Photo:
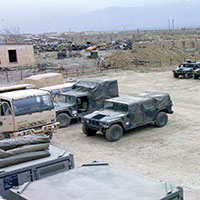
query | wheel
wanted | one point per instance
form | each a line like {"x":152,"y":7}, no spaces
{"x":176,"y":75}
{"x":63,"y":119}
{"x":188,"y":75}
{"x":87,"y":131}
{"x":114,"y":133}
{"x":196,"y":76}
{"x":2,"y":136}
{"x":161,"y":119}
{"x":50,"y":135}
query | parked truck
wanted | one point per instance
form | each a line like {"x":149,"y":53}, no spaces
{"x":186,"y":69}
{"x":85,"y":97}
{"x":26,"y":111}
{"x":124,"y":113}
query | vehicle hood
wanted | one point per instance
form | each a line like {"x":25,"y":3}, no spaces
{"x":183,"y":69}
{"x":105,"y":115}
{"x":197,"y":70}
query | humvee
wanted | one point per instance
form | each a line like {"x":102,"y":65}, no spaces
{"x":26,"y":111}
{"x":124,"y":113}
{"x":85,"y":97}
{"x":186,"y":69}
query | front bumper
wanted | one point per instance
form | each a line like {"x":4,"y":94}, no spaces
{"x":44,"y":129}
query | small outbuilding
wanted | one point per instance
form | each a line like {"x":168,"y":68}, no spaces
{"x":16,"y":56}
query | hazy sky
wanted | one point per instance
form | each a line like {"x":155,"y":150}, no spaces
{"x":18,"y":12}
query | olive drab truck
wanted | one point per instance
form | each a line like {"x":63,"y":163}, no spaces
{"x":85,"y":97}
{"x":125,"y":113}
{"x":26,"y":111}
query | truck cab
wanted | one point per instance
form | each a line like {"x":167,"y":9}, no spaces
{"x":124,"y":113}
{"x":26,"y":112}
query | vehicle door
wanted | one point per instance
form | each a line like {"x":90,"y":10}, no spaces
{"x":6,"y":117}
{"x":136,"y":115}
{"x":149,"y":110}
{"x":82,"y":105}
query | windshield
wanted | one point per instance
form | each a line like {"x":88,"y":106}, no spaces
{"x":32,"y":105}
{"x":66,"y":99}
{"x":187,"y":65}
{"x":116,"y":106}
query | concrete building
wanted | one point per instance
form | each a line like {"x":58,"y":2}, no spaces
{"x":16,"y":56}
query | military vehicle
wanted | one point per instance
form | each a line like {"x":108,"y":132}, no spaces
{"x":196,"y":73}
{"x":97,"y":181}
{"x":25,"y":112}
{"x":186,"y":69}
{"x":85,"y":97}
{"x":15,"y":175}
{"x":55,"y":90}
{"x":124,"y":113}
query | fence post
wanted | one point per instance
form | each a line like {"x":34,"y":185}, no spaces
{"x":21,"y":73}
{"x":83,"y":70}
{"x":7,"y":75}
{"x":170,"y":62}
{"x":34,"y":70}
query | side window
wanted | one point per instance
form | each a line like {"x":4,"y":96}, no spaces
{"x":5,"y":109}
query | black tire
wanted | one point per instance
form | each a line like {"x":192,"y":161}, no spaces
{"x":196,"y":76}
{"x":50,"y":135}
{"x":176,"y":75}
{"x":2,"y":136}
{"x":63,"y":119}
{"x":188,"y":75}
{"x":161,"y":119}
{"x":114,"y":133}
{"x":87,"y":131}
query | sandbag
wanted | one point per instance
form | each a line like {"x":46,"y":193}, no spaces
{"x":13,"y":160}
{"x":3,"y":154}
{"x":12,"y":143}
{"x":24,"y":149}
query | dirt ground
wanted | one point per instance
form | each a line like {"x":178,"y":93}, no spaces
{"x":171,"y":153}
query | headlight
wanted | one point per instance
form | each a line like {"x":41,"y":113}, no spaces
{"x":74,"y":112}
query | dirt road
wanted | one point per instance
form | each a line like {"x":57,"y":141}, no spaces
{"x":171,"y":153}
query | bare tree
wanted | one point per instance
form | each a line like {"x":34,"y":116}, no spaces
{"x":12,"y":35}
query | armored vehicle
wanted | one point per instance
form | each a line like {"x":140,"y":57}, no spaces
{"x":84,"y":97}
{"x":124,"y":113}
{"x":15,"y":175}
{"x":97,"y":181}
{"x":25,"y":112}
{"x":186,"y":69}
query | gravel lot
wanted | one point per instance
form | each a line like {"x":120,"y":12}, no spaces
{"x":171,"y":153}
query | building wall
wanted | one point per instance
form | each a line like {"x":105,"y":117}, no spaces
{"x":25,"y":56}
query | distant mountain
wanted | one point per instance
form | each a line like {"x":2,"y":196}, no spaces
{"x":185,"y":14}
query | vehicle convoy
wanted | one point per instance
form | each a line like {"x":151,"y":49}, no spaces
{"x":26,"y":111}
{"x":97,"y":181}
{"x":186,"y":69}
{"x":124,"y":113}
{"x":85,"y":97}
